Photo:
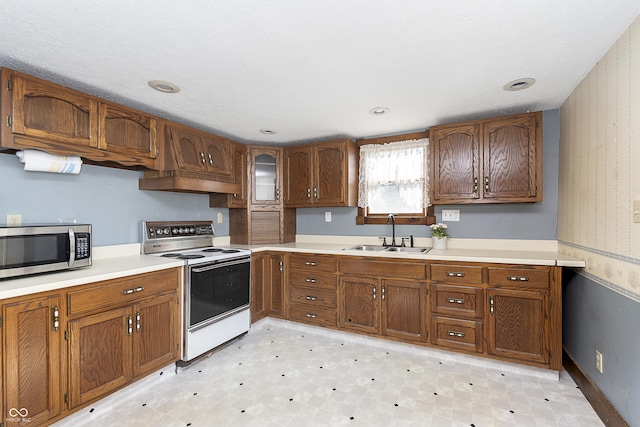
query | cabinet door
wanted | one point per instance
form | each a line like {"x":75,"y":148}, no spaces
{"x":99,"y":355}
{"x":155,"y":333}
{"x":510,"y":158}
{"x":456,"y":162}
{"x":298,"y":182}
{"x":359,"y":304}
{"x":217,"y":152}
{"x":276,"y":282}
{"x":239,"y":200}
{"x":403,"y":306}
{"x":517,"y":325}
{"x":259,"y":286}
{"x":187,"y":149}
{"x":48,"y":111}
{"x":33,"y":385}
{"x":330,"y":179}
{"x":128,"y":132}
{"x":265,"y":176}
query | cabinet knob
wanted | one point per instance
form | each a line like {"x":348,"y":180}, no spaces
{"x":454,"y":274}
{"x":455,"y":334}
{"x":309,"y":280}
{"x":310,"y":298}
{"x":455,"y":301}
{"x":311,"y":316}
{"x":518,"y":278}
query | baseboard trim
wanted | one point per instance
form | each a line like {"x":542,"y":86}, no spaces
{"x":605,"y":410}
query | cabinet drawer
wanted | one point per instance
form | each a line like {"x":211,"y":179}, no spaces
{"x":314,"y":297}
{"x":314,"y":280}
{"x":458,"y":301}
{"x":450,"y":273}
{"x":313,"y":262}
{"x":457,"y":333}
{"x":536,"y":278}
{"x":401,"y":269}
{"x":119,"y":292}
{"x":314,"y":315}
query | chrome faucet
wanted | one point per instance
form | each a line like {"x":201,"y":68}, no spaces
{"x":392,"y":219}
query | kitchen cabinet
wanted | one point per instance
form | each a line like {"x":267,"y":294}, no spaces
{"x":457,"y":302}
{"x":198,"y":151}
{"x":313,"y":284}
{"x":321,"y":174}
{"x":120,"y":330}
{"x":49,"y":117}
{"x":383,"y":297}
{"x":264,"y":220}
{"x":519,"y":314}
{"x":240,"y":172}
{"x":487,"y":161}
{"x":33,"y":381}
{"x":268,"y":296}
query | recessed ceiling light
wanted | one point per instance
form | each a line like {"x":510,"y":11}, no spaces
{"x":519,"y":84}
{"x":268,"y":131}
{"x":165,"y":87}
{"x":378,"y":111}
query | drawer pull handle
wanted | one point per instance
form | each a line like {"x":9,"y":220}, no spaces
{"x":129,"y":325}
{"x":311,"y":316}
{"x":138,"y":321}
{"x":130,"y":291}
{"x":518,"y":278}
{"x":310,"y":298}
{"x":455,"y":334}
{"x":311,"y":280}
{"x":455,"y":301}
{"x":454,"y":274}
{"x":311,"y":263}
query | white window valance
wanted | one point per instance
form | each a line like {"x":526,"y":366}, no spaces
{"x":393,"y":177}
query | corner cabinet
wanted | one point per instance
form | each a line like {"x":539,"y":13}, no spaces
{"x":268,"y":285}
{"x":321,"y":174}
{"x":46,"y":116}
{"x":488,"y":161}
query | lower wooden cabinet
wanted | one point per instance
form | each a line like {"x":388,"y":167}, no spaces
{"x":32,"y":375}
{"x":268,"y":281}
{"x":62,"y":350}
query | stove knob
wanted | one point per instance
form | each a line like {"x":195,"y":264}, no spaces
{"x":182,"y":230}
{"x":192,"y":230}
{"x":166,"y":231}
{"x":175,"y":231}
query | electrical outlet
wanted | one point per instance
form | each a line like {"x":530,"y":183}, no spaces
{"x":15,"y":219}
{"x":327,"y":217}
{"x":450,"y":215}
{"x":599,"y":361}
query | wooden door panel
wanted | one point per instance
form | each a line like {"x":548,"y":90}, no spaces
{"x":217,"y":155}
{"x":403,"y":308}
{"x":329,"y":182}
{"x":45,"y":110}
{"x":517,"y":325}
{"x":359,"y":304}
{"x":32,"y":359}
{"x":456,"y":162}
{"x":276,"y":268}
{"x":99,"y":355}
{"x":155,"y":334}
{"x":128,"y":132}
{"x":187,"y":150}
{"x":298,"y":181}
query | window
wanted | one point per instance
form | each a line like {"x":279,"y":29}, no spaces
{"x":394,"y":178}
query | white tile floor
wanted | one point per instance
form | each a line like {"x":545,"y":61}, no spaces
{"x":287,"y":374}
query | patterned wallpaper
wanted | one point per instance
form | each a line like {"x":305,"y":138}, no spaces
{"x":599,"y":175}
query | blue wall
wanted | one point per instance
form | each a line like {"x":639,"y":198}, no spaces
{"x":596,"y":317}
{"x":107,"y":198}
{"x":534,"y":221}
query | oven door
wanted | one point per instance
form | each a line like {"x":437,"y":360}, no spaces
{"x":217,"y":290}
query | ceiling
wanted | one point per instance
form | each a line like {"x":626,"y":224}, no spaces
{"x":312,"y":70}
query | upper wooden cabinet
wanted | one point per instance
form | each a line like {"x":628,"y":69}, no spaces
{"x":265,"y":172}
{"x":199,"y":151}
{"x":59,"y":120}
{"x":321,"y":174}
{"x":488,"y":161}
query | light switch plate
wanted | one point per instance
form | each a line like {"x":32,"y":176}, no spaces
{"x":327,"y":216}
{"x":636,"y":211}
{"x":450,"y":215}
{"x":219,"y":217}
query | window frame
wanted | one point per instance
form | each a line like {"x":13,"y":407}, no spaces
{"x":427,"y":217}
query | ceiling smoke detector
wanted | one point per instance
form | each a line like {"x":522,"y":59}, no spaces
{"x":519,"y":84}
{"x":164,"y":87}
{"x":378,"y":111}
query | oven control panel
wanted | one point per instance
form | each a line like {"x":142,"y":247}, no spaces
{"x":159,"y":230}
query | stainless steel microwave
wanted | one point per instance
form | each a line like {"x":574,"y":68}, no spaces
{"x":43,"y":248}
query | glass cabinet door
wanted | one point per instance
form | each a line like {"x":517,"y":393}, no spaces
{"x":266,"y":181}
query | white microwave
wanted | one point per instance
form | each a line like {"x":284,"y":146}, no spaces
{"x":36,"y":249}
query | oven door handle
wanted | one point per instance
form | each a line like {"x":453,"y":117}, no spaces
{"x":220,"y":264}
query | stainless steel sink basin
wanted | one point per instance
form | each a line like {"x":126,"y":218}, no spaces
{"x":406,"y":249}
{"x":373,"y":248}
{"x":378,"y":248}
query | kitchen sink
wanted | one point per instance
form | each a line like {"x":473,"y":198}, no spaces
{"x":378,"y":248}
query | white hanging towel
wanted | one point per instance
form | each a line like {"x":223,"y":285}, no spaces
{"x":39,"y":161}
